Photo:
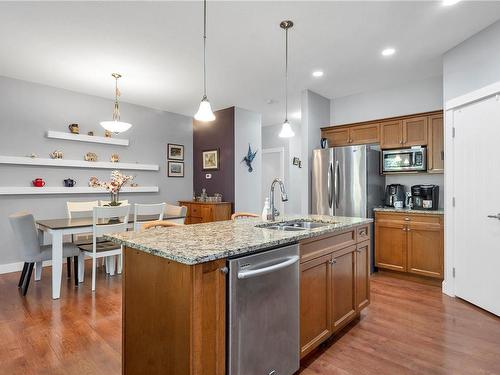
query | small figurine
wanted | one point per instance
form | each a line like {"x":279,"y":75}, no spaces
{"x":93,"y":181}
{"x":91,"y":133}
{"x":90,"y":156}
{"x":74,"y":128}
{"x":135,"y":184}
{"x":107,"y":134}
{"x":248,"y":159}
{"x":115,"y":158}
{"x":56,"y":154}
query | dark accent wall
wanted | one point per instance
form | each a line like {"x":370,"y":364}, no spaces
{"x":208,"y":136}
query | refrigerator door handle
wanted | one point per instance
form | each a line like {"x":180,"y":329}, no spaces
{"x":329,"y":185}
{"x":337,"y":183}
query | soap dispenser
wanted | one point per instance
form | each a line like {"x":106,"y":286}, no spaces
{"x":266,"y":210}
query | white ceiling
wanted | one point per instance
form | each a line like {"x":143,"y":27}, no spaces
{"x":157,"y":47}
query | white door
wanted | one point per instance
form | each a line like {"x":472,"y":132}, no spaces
{"x":477,"y":195}
{"x":272,"y":167}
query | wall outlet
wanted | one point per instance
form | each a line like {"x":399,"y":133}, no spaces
{"x":208,"y":176}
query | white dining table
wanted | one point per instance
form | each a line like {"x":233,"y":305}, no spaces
{"x":58,"y":228}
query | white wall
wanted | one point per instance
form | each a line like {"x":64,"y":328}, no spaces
{"x":473,"y":64}
{"x":315,"y":111}
{"x":413,"y":97}
{"x":292,"y":173}
{"x":247,"y":189}
{"x":28,"y":110}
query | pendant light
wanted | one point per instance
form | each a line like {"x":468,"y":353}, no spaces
{"x":286,"y":129}
{"x":115,"y":125}
{"x":205,"y":111}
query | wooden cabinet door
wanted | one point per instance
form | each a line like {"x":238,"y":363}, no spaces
{"x":390,"y":244}
{"x":343,"y":287}
{"x":435,"y":147}
{"x":364,"y":134}
{"x":391,"y":134}
{"x":315,"y":303}
{"x":415,"y":131}
{"x":337,"y":137}
{"x":362,"y":275}
{"x":206,"y":214}
{"x":425,"y":249}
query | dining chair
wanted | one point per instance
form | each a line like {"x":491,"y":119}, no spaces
{"x":172,"y":210}
{"x":242,"y":215}
{"x":106,"y":203}
{"x":151,"y":210}
{"x":29,"y":240}
{"x":104,"y":220}
{"x":160,"y":223}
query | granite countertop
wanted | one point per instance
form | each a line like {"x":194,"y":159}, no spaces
{"x":409,"y":211}
{"x":199,"y":243}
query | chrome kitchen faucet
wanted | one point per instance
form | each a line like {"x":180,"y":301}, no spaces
{"x":284,"y":198}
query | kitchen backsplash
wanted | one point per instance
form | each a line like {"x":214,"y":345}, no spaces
{"x":418,"y":179}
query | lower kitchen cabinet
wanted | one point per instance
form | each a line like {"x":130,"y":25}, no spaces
{"x":334,"y":285}
{"x":343,"y":287}
{"x":315,"y":302}
{"x":206,"y":212}
{"x":410,"y":243}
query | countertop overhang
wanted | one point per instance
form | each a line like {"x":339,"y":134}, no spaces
{"x":199,"y":243}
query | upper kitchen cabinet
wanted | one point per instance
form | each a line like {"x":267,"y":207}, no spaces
{"x":435,"y":147}
{"x":391,"y":134}
{"x":415,"y":131}
{"x":352,"y":135}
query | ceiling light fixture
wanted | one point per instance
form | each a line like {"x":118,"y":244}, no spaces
{"x":388,"y":52}
{"x":116,"y":126}
{"x":318,"y":73}
{"x":448,"y":3}
{"x":205,"y":111}
{"x":286,"y":129}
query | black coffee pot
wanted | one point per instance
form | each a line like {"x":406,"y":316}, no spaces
{"x":69,"y":182}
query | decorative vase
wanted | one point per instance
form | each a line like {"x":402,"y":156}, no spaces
{"x":115,"y":200}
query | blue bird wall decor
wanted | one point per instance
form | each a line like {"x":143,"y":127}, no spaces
{"x":248,"y":159}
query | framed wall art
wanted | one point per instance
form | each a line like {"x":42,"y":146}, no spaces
{"x":210,"y":160}
{"x":175,"y":152}
{"x":175,"y":169}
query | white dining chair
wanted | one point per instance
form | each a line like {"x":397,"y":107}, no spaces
{"x":155,"y":211}
{"x":77,"y":210}
{"x":172,"y":210}
{"x":105,"y":220}
{"x":106,"y":203}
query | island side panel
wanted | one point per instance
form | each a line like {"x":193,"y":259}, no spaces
{"x":173,"y":316}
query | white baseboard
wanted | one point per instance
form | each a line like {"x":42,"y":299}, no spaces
{"x":18,"y":266}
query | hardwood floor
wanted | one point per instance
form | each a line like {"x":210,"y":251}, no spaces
{"x":409,"y":328}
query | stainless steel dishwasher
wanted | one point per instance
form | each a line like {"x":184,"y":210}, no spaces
{"x":264,"y":313}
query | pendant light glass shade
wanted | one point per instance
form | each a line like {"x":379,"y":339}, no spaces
{"x":115,"y":125}
{"x":205,"y":111}
{"x":286,"y":130}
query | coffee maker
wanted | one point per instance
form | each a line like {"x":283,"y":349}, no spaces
{"x":394,"y":193}
{"x":425,"y":197}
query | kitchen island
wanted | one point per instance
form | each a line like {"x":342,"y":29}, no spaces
{"x":175,"y":282}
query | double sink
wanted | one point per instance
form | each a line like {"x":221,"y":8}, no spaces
{"x":294,"y":225}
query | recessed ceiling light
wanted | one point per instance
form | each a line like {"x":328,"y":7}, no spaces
{"x":318,"y":73}
{"x":448,"y":3}
{"x":388,"y":52}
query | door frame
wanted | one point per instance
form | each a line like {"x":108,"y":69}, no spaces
{"x":448,"y":286}
{"x":281,"y":151}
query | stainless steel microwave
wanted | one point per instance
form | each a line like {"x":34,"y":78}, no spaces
{"x":404,"y":160}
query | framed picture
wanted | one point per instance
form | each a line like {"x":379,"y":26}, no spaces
{"x":211,"y":160}
{"x":296,"y":161}
{"x":175,"y":169}
{"x":175,"y":152}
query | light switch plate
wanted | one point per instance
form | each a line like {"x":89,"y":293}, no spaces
{"x":208,"y":176}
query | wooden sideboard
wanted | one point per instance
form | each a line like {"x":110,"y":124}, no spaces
{"x":421,"y":129}
{"x":206,"y":212}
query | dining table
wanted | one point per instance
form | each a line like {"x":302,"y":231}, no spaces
{"x":58,"y":228}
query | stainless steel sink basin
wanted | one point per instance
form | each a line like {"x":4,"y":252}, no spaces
{"x":293,"y":226}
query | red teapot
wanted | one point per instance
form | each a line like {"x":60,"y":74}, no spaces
{"x":38,"y":182}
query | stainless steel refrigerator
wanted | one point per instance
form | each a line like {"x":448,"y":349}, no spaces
{"x":346,"y":181}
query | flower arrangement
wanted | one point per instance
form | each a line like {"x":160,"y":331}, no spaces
{"x":118,"y":180}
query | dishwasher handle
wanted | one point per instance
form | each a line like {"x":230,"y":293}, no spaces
{"x":262,"y":271}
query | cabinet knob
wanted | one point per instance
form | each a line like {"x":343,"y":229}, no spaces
{"x":224,"y":270}
{"x":403,"y":229}
{"x":401,"y":142}
{"x":332,"y":261}
{"x":407,"y":219}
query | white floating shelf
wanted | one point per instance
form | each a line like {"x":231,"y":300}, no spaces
{"x":25,"y":160}
{"x":87,"y":138}
{"x":28,"y":190}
